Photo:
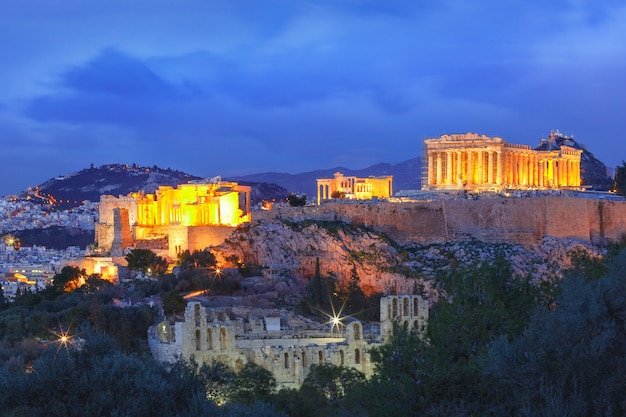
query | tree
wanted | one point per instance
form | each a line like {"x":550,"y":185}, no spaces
{"x":356,"y":299}
{"x":253,"y":383}
{"x":331,"y":382}
{"x":217,"y":379}
{"x":571,"y":359}
{"x":147,"y":262}
{"x":173,"y":302}
{"x":619,"y":183}
{"x":338,"y":194}
{"x":296,"y":200}
{"x":197,"y":259}
{"x":69,"y":278}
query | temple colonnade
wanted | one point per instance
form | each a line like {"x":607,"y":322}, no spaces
{"x":481,"y":162}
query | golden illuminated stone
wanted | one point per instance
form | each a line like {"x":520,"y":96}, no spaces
{"x":472,"y":162}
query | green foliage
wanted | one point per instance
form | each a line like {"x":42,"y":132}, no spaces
{"x":252,"y":384}
{"x":173,"y":302}
{"x":571,"y":359}
{"x":331,"y":382}
{"x":68,"y":279}
{"x":147,"y":262}
{"x":296,"y":200}
{"x":217,"y":379}
{"x":98,"y":380}
{"x":325,"y":391}
{"x":196,"y":259}
{"x":356,"y":301}
{"x":590,"y":267}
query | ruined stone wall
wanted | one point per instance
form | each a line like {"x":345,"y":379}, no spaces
{"x":104,"y":227}
{"x":200,"y":237}
{"x":510,"y":220}
{"x":407,"y":310}
{"x":208,"y":335}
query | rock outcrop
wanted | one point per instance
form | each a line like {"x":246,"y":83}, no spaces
{"x":292,"y":248}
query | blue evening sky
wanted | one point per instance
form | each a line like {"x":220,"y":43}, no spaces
{"x":232,"y":87}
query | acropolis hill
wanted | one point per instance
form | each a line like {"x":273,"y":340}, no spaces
{"x":197,"y":215}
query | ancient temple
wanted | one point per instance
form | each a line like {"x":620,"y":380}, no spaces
{"x":350,"y":187}
{"x":173,"y":219}
{"x":476,"y":162}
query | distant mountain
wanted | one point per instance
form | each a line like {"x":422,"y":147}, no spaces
{"x":117,"y":179}
{"x":406,"y":176}
{"x":593,"y":172}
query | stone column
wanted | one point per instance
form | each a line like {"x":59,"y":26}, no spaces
{"x":459,"y":168}
{"x":439,"y":169}
{"x":540,"y":182}
{"x":431,"y":165}
{"x":535,"y":170}
{"x":515,"y":168}
{"x":479,"y":179}
{"x":490,"y":165}
{"x":449,"y":168}
{"x":555,"y":173}
{"x":498,"y":179}
{"x":470,"y":168}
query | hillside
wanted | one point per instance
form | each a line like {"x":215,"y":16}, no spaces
{"x":593,"y":172}
{"x":406,"y":176}
{"x":117,"y":179}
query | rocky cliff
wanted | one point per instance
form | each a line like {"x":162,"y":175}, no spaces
{"x":290,"y":248}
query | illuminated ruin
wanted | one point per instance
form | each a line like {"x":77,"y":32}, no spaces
{"x":284,"y":343}
{"x":173,"y":219}
{"x":354,"y":187}
{"x":472,"y":162}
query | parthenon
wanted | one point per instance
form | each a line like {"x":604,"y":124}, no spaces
{"x":472,"y":162}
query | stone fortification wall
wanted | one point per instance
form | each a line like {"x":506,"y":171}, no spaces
{"x":509,"y":220}
{"x":200,"y":237}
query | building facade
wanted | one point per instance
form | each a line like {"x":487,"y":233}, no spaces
{"x":472,"y":162}
{"x":173,"y":219}
{"x":285,"y":344}
{"x":341,"y":186}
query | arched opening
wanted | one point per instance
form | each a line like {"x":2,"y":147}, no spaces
{"x":406,"y":312}
{"x":394,"y":304}
{"x":304,"y":361}
{"x":357,"y":356}
{"x":196,"y":314}
{"x":406,"y":325}
{"x":286,"y":356}
{"x":357,"y":331}
{"x":238,"y":365}
{"x":209,"y":338}
{"x":341,"y":357}
{"x":320,"y":357}
{"x":415,"y":309}
{"x":416,"y":326}
{"x":223,"y":338}
{"x":198,"y":345}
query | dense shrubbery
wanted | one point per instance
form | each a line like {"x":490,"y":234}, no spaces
{"x":495,"y":345}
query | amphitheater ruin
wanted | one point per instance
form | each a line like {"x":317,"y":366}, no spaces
{"x":282,"y":342}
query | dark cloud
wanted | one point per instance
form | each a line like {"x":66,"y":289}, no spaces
{"x":294,"y":85}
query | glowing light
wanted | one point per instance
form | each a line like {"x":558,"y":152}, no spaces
{"x":64,"y":339}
